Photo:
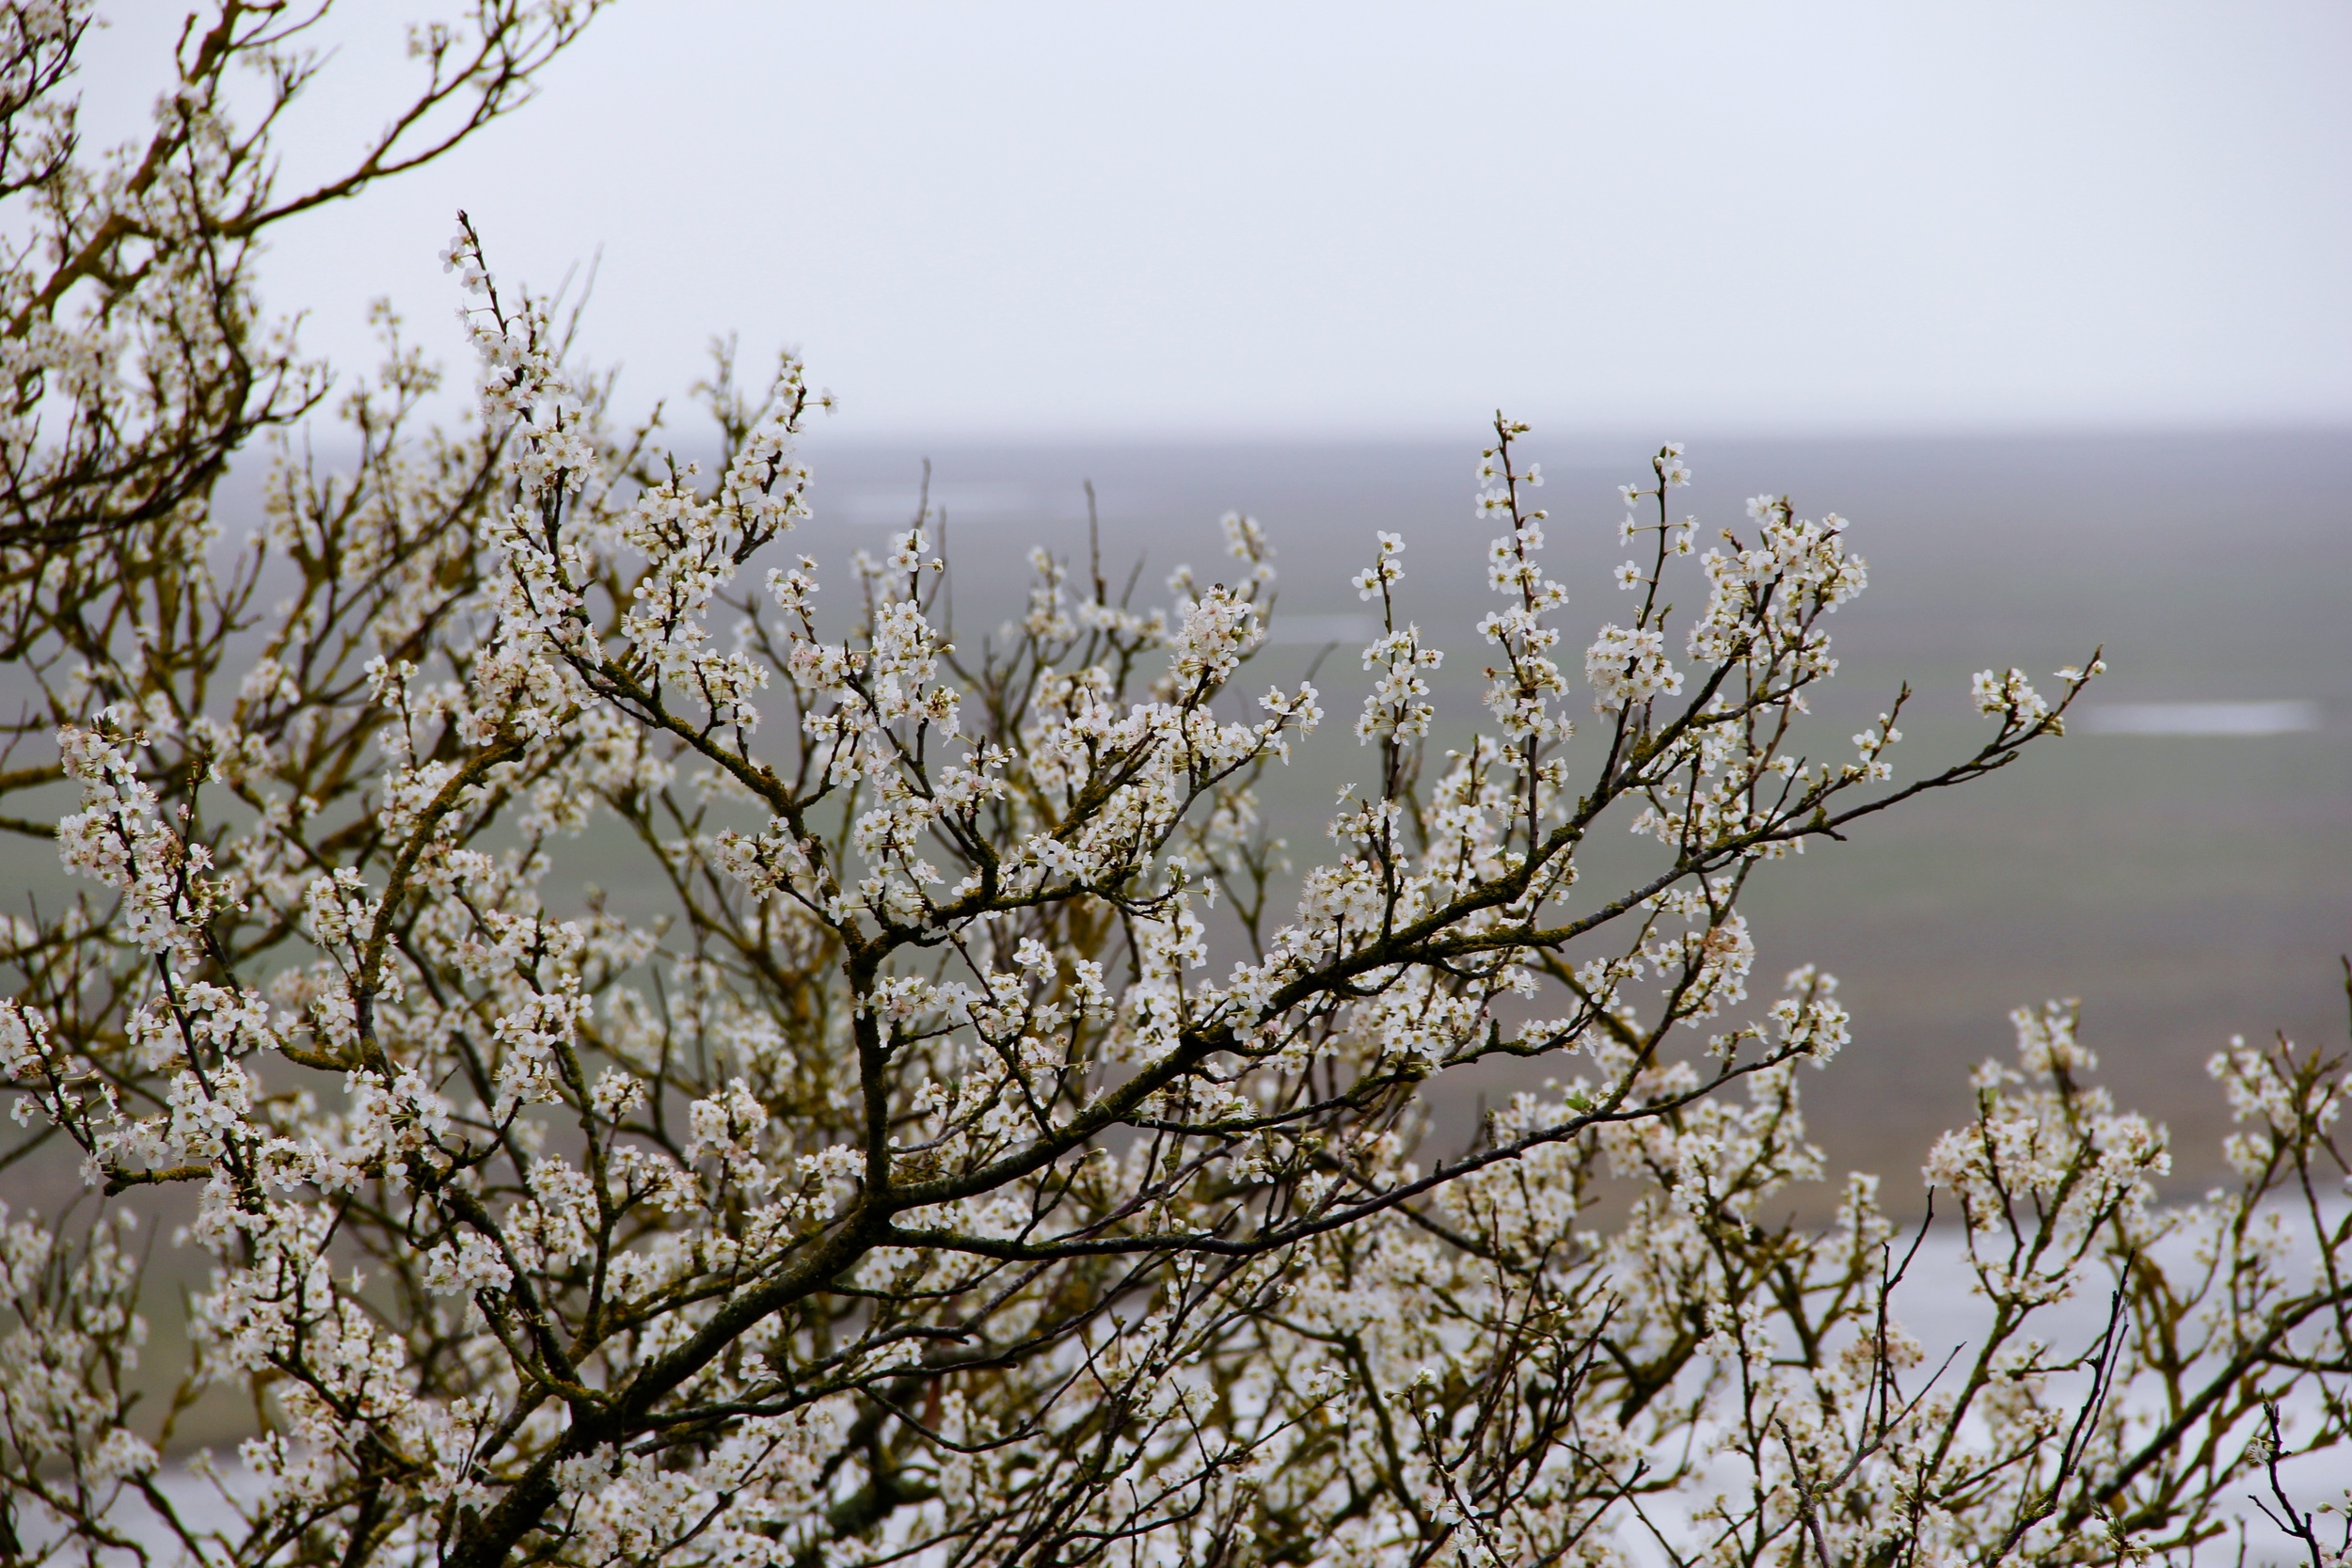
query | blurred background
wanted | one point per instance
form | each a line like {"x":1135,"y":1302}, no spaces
{"x":2049,"y":301}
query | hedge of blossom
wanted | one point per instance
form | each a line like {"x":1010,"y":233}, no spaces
{"x":993,"y":1155}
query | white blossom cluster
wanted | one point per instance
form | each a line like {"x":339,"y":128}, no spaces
{"x":996,"y":1149}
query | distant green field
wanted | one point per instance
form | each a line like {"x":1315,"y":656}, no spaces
{"x":2185,"y":888}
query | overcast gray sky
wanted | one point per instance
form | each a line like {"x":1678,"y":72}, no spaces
{"x":1218,"y":219}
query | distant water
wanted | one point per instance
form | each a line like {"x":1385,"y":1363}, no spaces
{"x":1937,"y":1302}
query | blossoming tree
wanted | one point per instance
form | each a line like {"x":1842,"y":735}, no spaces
{"x":920,"y":1189}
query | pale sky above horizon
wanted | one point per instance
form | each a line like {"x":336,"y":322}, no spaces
{"x":1034,"y":219}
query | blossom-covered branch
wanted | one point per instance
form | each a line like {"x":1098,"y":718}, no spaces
{"x":992,"y":1151}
